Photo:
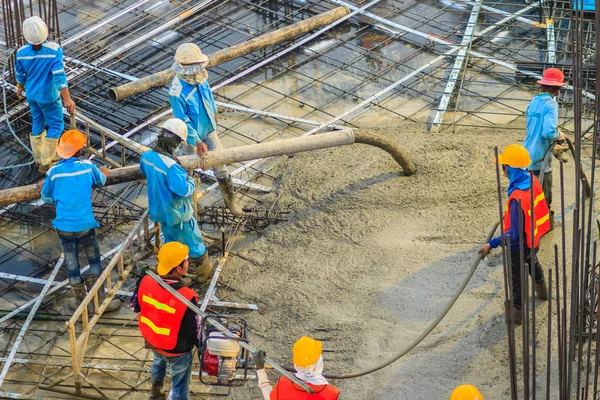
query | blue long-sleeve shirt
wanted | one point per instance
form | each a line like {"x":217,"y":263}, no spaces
{"x":42,"y":72}
{"x":194,"y":105}
{"x":513,"y":232}
{"x":542,"y":124}
{"x":69,"y":185}
{"x":170,"y":190}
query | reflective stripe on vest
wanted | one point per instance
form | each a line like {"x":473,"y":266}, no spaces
{"x":540,"y":211}
{"x":161,"y":313}
{"x":285,"y":389}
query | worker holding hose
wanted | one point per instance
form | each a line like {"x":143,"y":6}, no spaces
{"x":514,"y":160}
{"x":193,"y":102}
{"x":40,"y":71}
{"x":170,"y":194}
{"x":68,"y":185}
{"x":308,"y":363}
{"x":542,"y":129}
{"x":169,"y":327}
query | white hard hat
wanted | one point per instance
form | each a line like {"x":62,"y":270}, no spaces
{"x":176,"y":127}
{"x":189,"y":53}
{"x":35,"y":30}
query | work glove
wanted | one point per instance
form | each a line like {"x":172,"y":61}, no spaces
{"x":259,"y":359}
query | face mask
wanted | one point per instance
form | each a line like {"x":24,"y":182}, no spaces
{"x":194,"y":79}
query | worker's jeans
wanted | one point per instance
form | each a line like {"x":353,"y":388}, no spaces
{"x":74,"y":242}
{"x":516,"y":274}
{"x":181,"y":370}
{"x":546,"y":186}
{"x":50,"y":114}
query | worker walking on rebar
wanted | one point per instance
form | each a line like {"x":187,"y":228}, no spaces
{"x":308,"y":362}
{"x":40,"y":72}
{"x":169,"y":327}
{"x":514,"y":160}
{"x":466,"y":392}
{"x":170,"y":195}
{"x":542,"y":129}
{"x":193,"y":102}
{"x":69,"y":185}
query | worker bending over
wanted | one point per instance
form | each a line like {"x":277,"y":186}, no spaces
{"x":466,"y":392}
{"x":193,"y":102}
{"x":40,"y":72}
{"x":308,"y":363}
{"x":542,"y":128}
{"x":514,"y":159}
{"x":168,"y":325}
{"x":69,"y":185}
{"x":170,"y":195}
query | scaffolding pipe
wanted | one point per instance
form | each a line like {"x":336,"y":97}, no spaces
{"x":240,"y":154}
{"x":162,"y":78}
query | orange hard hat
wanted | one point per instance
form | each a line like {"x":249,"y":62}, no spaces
{"x":466,"y":392}
{"x":553,"y":77}
{"x":306,"y":351}
{"x":70,"y":143}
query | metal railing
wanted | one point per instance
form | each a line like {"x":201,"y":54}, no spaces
{"x":136,"y":246}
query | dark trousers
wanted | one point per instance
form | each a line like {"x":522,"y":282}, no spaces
{"x":74,"y":242}
{"x":537,"y":272}
{"x":546,"y":186}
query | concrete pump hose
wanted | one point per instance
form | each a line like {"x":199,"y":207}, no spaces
{"x":386,"y":144}
{"x":427,"y":331}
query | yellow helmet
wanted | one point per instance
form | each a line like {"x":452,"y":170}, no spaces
{"x":466,"y":392}
{"x":171,"y":255}
{"x":515,"y":155}
{"x":306,"y":351}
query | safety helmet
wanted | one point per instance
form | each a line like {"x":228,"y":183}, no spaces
{"x":553,"y":77}
{"x":306,"y":351}
{"x":177,"y":127}
{"x":189,"y":53}
{"x":35,"y":30}
{"x":466,"y":392}
{"x":515,"y":155}
{"x":70,"y":143}
{"x":171,"y":255}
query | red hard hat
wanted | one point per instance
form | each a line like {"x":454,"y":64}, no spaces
{"x":553,"y":77}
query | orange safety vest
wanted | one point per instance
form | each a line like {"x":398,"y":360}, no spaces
{"x":161,"y":313}
{"x":285,"y":389}
{"x":540,"y":212}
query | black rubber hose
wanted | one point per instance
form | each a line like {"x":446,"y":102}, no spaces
{"x":427,"y":331}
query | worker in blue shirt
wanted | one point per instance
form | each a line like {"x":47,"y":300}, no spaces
{"x":68,"y":185}
{"x":170,"y":195}
{"x":40,"y":71}
{"x":193,"y":102}
{"x":542,"y":128}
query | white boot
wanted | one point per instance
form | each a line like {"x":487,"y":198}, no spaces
{"x":36,"y":147}
{"x":49,"y":156}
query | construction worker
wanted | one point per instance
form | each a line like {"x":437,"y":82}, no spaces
{"x":168,"y":326}
{"x":308,"y":363}
{"x":193,"y":102}
{"x":68,"y":184}
{"x":170,"y":195}
{"x":466,"y":392}
{"x":542,"y":128}
{"x":40,"y":72}
{"x":514,"y":160}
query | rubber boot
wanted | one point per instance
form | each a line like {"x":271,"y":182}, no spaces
{"x":156,"y":392}
{"x":36,"y":147}
{"x":49,"y":156}
{"x":226,"y":187}
{"x":517,"y":316}
{"x":114,"y":304}
{"x":79,"y":294}
{"x":202,"y":268}
{"x":541,"y":290}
